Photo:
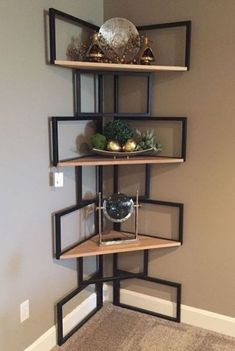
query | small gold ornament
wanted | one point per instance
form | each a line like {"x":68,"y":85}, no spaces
{"x":94,"y":53}
{"x":129,"y":146}
{"x":146,"y":56}
{"x":113,"y":146}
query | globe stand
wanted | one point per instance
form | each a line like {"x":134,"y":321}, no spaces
{"x":114,"y":237}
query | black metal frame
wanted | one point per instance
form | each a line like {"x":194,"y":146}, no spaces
{"x":118,"y":275}
{"x":80,"y":203}
{"x":175,"y":285}
{"x":98,"y":279}
{"x":57,"y":225}
{"x":98,"y":93}
{"x":182,"y":120}
{"x":147,"y":170}
{"x":55,"y":137}
{"x":53,"y":14}
{"x":178,"y":205}
{"x":59,"y":309}
{"x":188,"y":27}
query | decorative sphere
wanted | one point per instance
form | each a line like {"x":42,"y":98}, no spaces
{"x":113,"y":146}
{"x":118,"y":207}
{"x":129,"y":146}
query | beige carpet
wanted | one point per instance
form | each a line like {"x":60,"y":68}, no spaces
{"x":118,"y":329}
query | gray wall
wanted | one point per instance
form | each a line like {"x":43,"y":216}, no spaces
{"x":205,"y":183}
{"x":30,"y":92}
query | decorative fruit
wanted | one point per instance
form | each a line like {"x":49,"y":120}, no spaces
{"x":118,"y":130}
{"x":113,"y":145}
{"x":98,"y":141}
{"x":129,"y":146}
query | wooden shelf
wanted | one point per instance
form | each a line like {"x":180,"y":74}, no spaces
{"x":107,"y":161}
{"x":81,"y":65}
{"x":91,"y":247}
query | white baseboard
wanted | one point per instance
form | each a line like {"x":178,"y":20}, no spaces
{"x":48,"y":340}
{"x":189,"y":315}
{"x":208,"y":320}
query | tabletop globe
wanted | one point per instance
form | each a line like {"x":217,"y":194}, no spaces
{"x":118,"y":207}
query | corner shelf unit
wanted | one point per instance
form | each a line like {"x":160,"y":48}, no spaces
{"x":89,"y":246}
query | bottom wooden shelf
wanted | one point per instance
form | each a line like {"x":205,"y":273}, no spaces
{"x":91,"y":248}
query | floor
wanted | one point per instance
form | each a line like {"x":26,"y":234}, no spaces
{"x":117,"y":329}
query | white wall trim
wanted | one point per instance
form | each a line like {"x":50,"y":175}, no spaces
{"x":190,"y":315}
{"x":48,"y":340}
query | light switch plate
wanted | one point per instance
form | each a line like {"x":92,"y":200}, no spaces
{"x":58,"y":179}
{"x":24,"y":311}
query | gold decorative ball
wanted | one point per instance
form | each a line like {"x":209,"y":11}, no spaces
{"x":129,"y":146}
{"x":113,"y":145}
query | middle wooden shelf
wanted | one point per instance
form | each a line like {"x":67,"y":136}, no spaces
{"x":109,"y":161}
{"x":91,"y":247}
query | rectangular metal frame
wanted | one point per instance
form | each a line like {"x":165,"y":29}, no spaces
{"x":178,"y":205}
{"x":55,"y":137}
{"x":147,"y":170}
{"x":144,"y":276}
{"x":80,"y":203}
{"x":79,"y":182}
{"x":99,"y":91}
{"x":183,"y":121}
{"x":53,"y":14}
{"x":177,"y":286}
{"x":57,"y":226}
{"x":188,"y":27}
{"x":59,"y":309}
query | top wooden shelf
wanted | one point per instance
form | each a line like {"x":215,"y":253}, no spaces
{"x":82,"y":65}
{"x":108,"y":161}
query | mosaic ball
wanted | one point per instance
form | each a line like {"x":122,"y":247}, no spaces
{"x":118,"y":207}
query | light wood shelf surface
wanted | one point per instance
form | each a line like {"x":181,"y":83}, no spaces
{"x":91,"y":247}
{"x":117,"y":67}
{"x":106,"y":161}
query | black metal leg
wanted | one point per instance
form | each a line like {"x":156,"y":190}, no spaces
{"x":116,"y":283}
{"x":100,"y":284}
{"x":146,"y":262}
{"x":80,"y":270}
{"x":61,"y":338}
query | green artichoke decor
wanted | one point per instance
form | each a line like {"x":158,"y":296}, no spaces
{"x":98,"y":141}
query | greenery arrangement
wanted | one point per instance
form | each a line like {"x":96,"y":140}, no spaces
{"x":147,"y":141}
{"x":118,"y":130}
{"x":119,"y":136}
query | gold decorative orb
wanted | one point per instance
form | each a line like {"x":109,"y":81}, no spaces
{"x":129,"y":146}
{"x":113,"y":145}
